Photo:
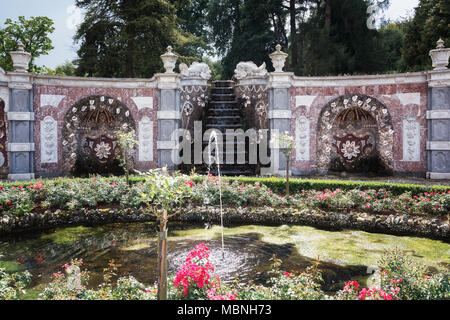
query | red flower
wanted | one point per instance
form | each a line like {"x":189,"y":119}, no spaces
{"x":287,"y":274}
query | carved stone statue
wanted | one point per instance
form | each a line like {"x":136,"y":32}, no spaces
{"x":197,"y":69}
{"x":249,"y":69}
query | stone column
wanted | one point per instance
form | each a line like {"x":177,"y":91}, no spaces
{"x":438,"y":114}
{"x":21,"y":118}
{"x":168,"y":110}
{"x":279,"y":108}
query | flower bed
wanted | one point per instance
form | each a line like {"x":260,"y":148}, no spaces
{"x":70,"y":194}
{"x":399,"y":279}
{"x":40,"y":205}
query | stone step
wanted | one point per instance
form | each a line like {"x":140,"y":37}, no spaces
{"x":224,"y":90}
{"x":223,"y":84}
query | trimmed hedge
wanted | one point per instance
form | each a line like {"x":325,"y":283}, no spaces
{"x":278,"y":185}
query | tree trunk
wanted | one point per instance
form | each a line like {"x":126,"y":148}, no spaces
{"x":287,"y":176}
{"x":328,"y":16}
{"x":294,"y":46}
{"x":162,"y":258}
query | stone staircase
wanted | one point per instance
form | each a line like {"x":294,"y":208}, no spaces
{"x":224,"y":113}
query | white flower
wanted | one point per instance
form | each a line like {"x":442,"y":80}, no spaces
{"x":102,"y":150}
{"x":350,"y":150}
{"x":74,"y":110}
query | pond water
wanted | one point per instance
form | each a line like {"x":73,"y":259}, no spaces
{"x":344,"y":255}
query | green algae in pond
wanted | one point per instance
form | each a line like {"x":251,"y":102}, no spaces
{"x":70,"y":235}
{"x":343,"y":247}
{"x":12,"y":266}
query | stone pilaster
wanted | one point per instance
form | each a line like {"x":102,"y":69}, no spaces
{"x":279,"y":116}
{"x":21,"y":127}
{"x":438,"y":117}
{"x":438,"y":114}
{"x":168,"y":117}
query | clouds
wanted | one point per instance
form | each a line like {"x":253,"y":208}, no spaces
{"x":75,"y":17}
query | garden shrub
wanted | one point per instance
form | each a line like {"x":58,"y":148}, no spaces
{"x":178,"y":190}
{"x":13,"y":285}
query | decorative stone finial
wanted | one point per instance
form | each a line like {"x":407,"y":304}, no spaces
{"x":20,"y":46}
{"x":169,"y":60}
{"x":440,"y":56}
{"x":20,"y":58}
{"x":278,"y":59}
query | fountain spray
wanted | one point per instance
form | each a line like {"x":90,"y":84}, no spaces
{"x":217,"y":159}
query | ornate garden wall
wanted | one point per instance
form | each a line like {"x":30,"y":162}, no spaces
{"x":397,"y":123}
{"x":70,"y":112}
{"x":392,"y":124}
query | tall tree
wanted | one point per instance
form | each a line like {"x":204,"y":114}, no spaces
{"x":337,"y":40}
{"x":125,"y":38}
{"x":242,"y":30}
{"x":34,"y":35}
{"x":431,"y":22}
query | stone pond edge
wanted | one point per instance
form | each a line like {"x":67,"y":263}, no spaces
{"x":399,"y":225}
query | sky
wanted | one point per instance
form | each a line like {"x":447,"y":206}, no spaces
{"x":65,"y":17}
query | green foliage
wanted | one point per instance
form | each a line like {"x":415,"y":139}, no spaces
{"x":285,"y":286}
{"x":161,"y":191}
{"x":277,"y":185}
{"x":412,"y":280}
{"x":127,"y":142}
{"x":126,"y":38}
{"x":431,"y":22}
{"x":13,"y":285}
{"x":34,"y":35}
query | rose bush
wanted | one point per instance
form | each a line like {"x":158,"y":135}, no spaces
{"x":75,"y":194}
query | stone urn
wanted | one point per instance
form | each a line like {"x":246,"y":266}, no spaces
{"x":169,"y":60}
{"x":278,"y":59}
{"x":20,"y":58}
{"x":440,"y":56}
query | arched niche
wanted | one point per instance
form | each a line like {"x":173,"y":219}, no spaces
{"x":355,"y":134}
{"x":89,"y":140}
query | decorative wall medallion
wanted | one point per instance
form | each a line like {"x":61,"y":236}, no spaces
{"x":103,"y":148}
{"x":351,"y":148}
